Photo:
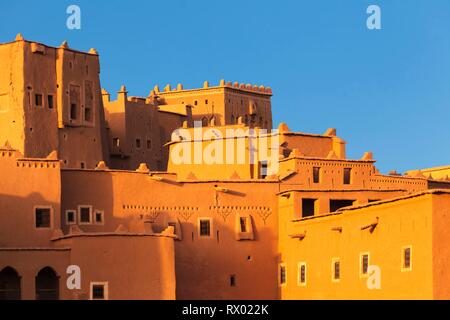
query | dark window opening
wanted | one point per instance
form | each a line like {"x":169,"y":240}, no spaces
{"x":149,"y":144}
{"x":364,"y":263}
{"x":116,"y":142}
{"x":206,"y":101}
{"x":308,"y":207}
{"x":70,"y":216}
{"x":73,"y":111}
{"x":205,"y":228}
{"x":98,"y":292}
{"x":347,"y":175}
{"x":282,"y":274}
{"x":38,"y":100}
{"x":50,"y":101}
{"x":316,"y":175}
{"x":138,"y":143}
{"x":302,"y":274}
{"x":85,"y":214}
{"x":233,"y":280}
{"x":335,"y":205}
{"x":47,"y":285}
{"x":337,"y":270}
{"x":9,"y":284}
{"x":407,"y":258}
{"x":42,"y":217}
{"x":99,"y":217}
{"x":263,"y":169}
{"x":243,"y":223}
{"x":87,"y":114}
{"x":82,"y":165}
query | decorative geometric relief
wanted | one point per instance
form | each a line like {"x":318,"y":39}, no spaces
{"x":186,"y":215}
{"x":224,"y":212}
{"x":264,"y":214}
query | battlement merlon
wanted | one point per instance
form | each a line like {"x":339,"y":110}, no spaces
{"x":235,"y":86}
{"x":39,"y":47}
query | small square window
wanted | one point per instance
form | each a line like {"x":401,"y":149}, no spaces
{"x":50,"y":101}
{"x":38,"y":100}
{"x":42,"y":217}
{"x":99,"y":291}
{"x":70,"y":217}
{"x":85,"y":214}
{"x":99,"y":216}
{"x":205,"y":227}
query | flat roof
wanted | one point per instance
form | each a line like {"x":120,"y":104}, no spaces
{"x":377,"y":203}
{"x":226,"y":87}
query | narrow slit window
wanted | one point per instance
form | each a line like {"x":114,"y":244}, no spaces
{"x":336,"y":269}
{"x":407,"y":258}
{"x":282,"y":276}
{"x":38,"y":100}
{"x":50,"y":101}
{"x":243,"y":223}
{"x":73,"y":111}
{"x":263,"y":169}
{"x":233,"y":280}
{"x":316,"y":175}
{"x":302,"y":274}
{"x":364,"y":260}
{"x":347,"y":175}
{"x":88,"y":114}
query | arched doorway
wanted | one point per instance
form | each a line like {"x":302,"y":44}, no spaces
{"x":47,"y":285}
{"x":9,"y":284}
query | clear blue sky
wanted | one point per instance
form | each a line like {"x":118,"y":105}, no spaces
{"x":385,"y":91}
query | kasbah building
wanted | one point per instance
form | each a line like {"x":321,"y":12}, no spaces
{"x":89,"y":187}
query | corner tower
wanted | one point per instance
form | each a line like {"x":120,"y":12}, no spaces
{"x":50,"y":100}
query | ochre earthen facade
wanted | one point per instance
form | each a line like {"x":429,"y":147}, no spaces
{"x":116,"y":189}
